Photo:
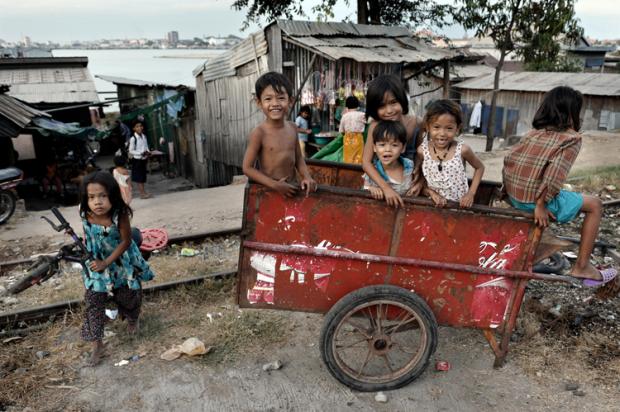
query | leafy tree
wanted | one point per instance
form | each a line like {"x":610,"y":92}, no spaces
{"x":529,"y":27}
{"x":389,"y":12}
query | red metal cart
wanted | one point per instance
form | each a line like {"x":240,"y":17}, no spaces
{"x":385,"y":277}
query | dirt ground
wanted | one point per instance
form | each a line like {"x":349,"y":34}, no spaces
{"x":565,"y":336}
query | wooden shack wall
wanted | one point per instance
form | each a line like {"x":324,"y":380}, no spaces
{"x":226,"y":113}
{"x":527,"y":103}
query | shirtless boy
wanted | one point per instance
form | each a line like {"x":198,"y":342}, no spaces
{"x":274,"y":142}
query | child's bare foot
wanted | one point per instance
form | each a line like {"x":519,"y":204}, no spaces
{"x":133,"y":327}
{"x":587,"y":272}
{"x":97,"y":354}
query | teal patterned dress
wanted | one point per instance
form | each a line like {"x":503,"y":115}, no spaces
{"x":130,"y":269}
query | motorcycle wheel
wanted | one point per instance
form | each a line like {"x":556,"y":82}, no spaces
{"x":7,"y":205}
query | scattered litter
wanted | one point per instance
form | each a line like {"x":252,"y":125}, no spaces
{"x":189,"y":252}
{"x":272,"y":366}
{"x":76,"y":266}
{"x":122,"y":363}
{"x":442,"y":366}
{"x":191,"y":347}
{"x":133,"y":358}
{"x":610,"y":188}
{"x":42,"y":354}
{"x":381,"y":397}
{"x":571,"y":386}
{"x":579,"y":393}
{"x":12,"y":339}
{"x":555,"y":311}
{"x":212,"y":316}
{"x":108,"y":333}
{"x":111,"y":313}
{"x":570,"y":255}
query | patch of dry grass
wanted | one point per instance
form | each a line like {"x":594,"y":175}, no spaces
{"x":597,"y":179}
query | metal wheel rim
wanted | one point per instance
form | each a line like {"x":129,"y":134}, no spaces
{"x":5,"y":206}
{"x":391,"y":376}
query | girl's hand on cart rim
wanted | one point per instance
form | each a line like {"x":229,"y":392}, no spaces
{"x":438,"y":199}
{"x":467,"y":201}
{"x":309,"y":185}
{"x":416,"y":188}
{"x":542,"y":215}
{"x":392,"y":198}
{"x":98,"y":265}
{"x":376,"y":192}
{"x":285,"y":189}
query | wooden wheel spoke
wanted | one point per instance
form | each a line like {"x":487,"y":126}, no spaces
{"x":368,"y":356}
{"x":379,"y":316}
{"x":359,"y":329}
{"x":386,"y":358}
{"x":393,"y":329}
{"x":368,"y":314}
{"x":351,"y":344}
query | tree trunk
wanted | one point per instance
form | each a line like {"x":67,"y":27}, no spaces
{"x":362,"y":12}
{"x":374,"y":12}
{"x":491,"y":126}
{"x":446,"y":79}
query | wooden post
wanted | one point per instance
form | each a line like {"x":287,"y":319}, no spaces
{"x":446,"y":79}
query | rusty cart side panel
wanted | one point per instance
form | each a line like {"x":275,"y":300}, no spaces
{"x":306,"y":253}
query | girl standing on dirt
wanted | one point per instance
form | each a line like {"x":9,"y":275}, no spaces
{"x":443,"y":158}
{"x":386,"y":99}
{"x":535,"y":171}
{"x":117,"y":268}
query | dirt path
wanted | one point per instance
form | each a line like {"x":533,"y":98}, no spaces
{"x":304,"y":384}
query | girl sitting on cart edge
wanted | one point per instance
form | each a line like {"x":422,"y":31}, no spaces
{"x":535,"y":171}
{"x":386,"y":99}
{"x":442,"y":158}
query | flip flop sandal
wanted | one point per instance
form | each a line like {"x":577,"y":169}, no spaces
{"x":608,"y":275}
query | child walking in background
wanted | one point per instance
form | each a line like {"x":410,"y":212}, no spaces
{"x":386,"y":99}
{"x":139,"y":153}
{"x":352,"y":125}
{"x":274,"y":143}
{"x":389,"y":140}
{"x":117,"y":269}
{"x":535,"y":171}
{"x":121,"y":175}
{"x":303,"y":127}
{"x":443,"y":157}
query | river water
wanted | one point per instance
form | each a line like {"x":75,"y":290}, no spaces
{"x":173,"y":66}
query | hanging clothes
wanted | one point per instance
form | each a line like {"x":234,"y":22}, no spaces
{"x":476,"y":115}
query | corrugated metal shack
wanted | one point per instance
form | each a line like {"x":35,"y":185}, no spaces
{"x":523,"y":92}
{"x":135,"y":95}
{"x":52,"y":83}
{"x":324,"y":61}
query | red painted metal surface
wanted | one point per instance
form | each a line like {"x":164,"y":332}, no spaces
{"x":306,"y":253}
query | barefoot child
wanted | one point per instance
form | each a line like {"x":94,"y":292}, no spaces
{"x":389,"y":140}
{"x":537,"y":167}
{"x":352,"y":124}
{"x":386,"y":99}
{"x":274,"y":142}
{"x":117,"y":269}
{"x":443,"y":158}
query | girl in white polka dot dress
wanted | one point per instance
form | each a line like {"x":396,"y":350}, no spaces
{"x":443,"y":158}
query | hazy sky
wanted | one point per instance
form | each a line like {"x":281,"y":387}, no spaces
{"x":65,"y":20}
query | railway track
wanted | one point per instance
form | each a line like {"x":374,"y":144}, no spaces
{"x":15,"y":320}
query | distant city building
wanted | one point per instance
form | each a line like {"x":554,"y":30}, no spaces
{"x":173,"y":37}
{"x":26,"y":42}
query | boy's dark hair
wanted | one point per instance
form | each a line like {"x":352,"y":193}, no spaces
{"x":559,"y":110}
{"x":376,"y":92}
{"x":352,"y":102}
{"x":305,"y":109}
{"x":136,"y":122}
{"x":112,"y":188}
{"x":386,"y":130}
{"x":120,"y":161}
{"x":278,"y":81}
{"x":444,"y":106}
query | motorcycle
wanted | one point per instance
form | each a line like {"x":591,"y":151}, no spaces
{"x":9,"y":179}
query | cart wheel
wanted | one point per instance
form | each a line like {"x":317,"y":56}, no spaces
{"x":378,"y":338}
